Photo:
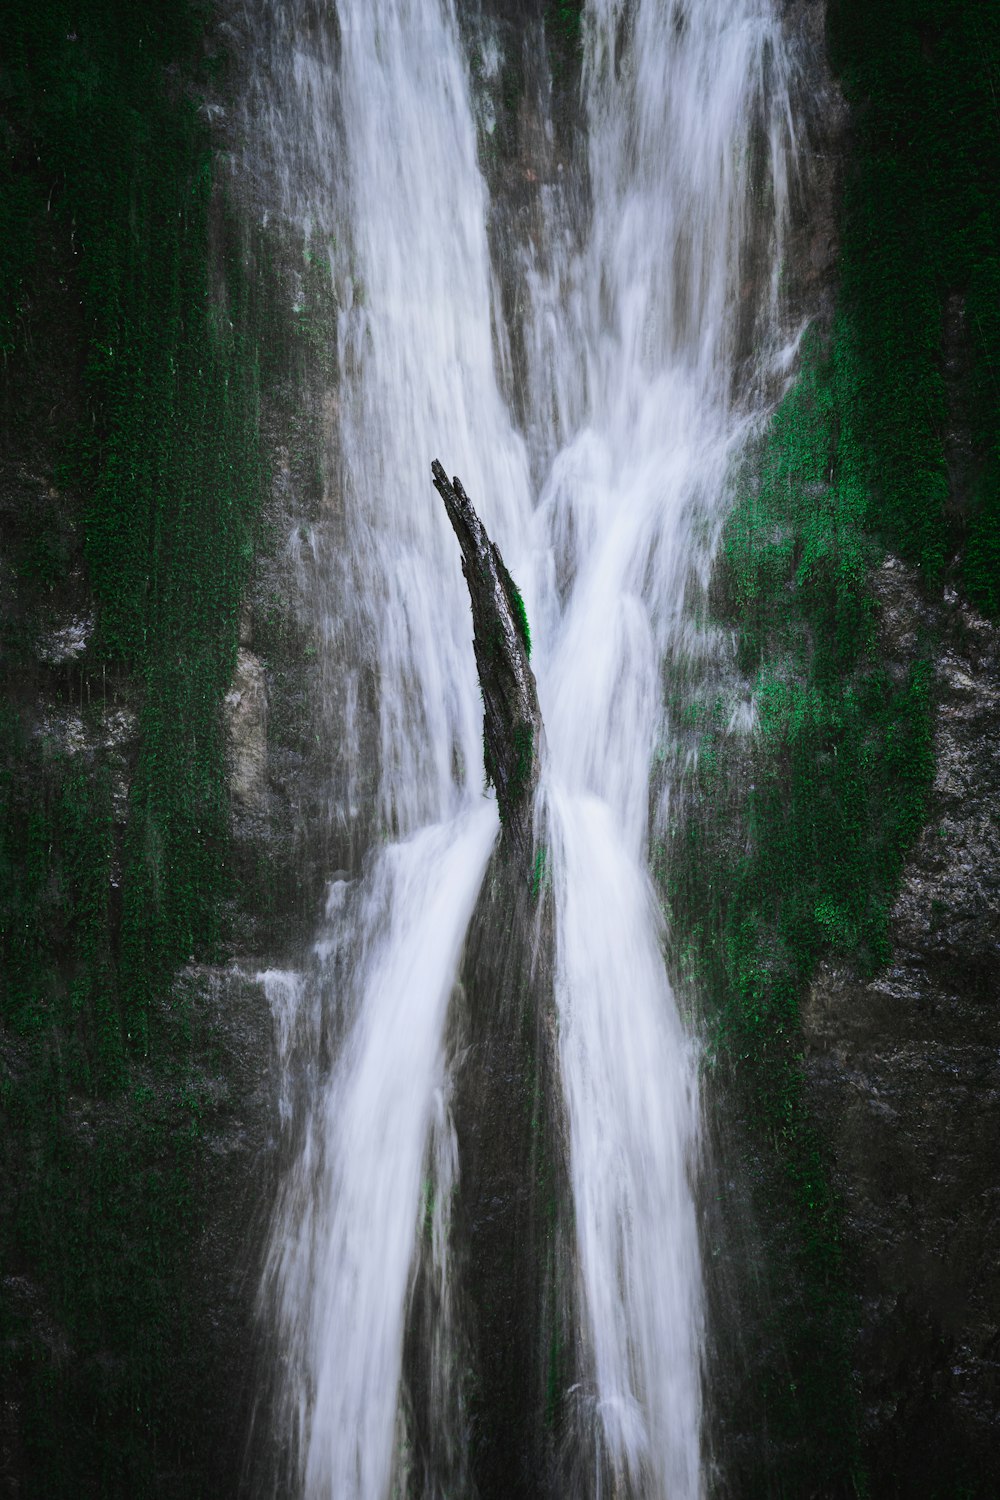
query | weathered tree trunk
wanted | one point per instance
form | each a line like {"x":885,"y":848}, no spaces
{"x":511,"y":1231}
{"x":512,"y":721}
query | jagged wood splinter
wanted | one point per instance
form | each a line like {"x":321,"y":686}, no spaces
{"x":512,"y":720}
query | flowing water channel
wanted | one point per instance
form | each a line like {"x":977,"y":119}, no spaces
{"x":642,"y":299}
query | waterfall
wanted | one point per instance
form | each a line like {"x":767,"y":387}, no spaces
{"x":636,"y":332}
{"x":679,"y":97}
{"x":384,"y":109}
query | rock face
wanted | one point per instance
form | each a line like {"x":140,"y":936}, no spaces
{"x":246,"y":718}
{"x":512,"y":721}
{"x":904,"y":1077}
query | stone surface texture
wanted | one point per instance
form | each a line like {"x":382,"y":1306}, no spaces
{"x":903,"y":1072}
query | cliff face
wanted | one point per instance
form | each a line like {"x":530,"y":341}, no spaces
{"x":134,"y":1059}
{"x":832,"y":875}
{"x":900,"y":1060}
{"x":173,"y":799}
{"x":901,"y":1069}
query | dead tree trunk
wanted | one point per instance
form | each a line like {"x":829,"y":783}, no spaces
{"x":512,"y":1229}
{"x":512,"y":721}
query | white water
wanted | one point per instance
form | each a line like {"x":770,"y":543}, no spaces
{"x":631,"y":352}
{"x":341,"y":1260}
{"x":415,"y":352}
{"x":627,"y":513}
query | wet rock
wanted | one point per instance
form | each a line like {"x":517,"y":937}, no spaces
{"x":66,"y":642}
{"x":529,"y":107}
{"x":233,"y":1074}
{"x":903,"y":1073}
{"x":246,"y":723}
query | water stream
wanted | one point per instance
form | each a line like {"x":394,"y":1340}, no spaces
{"x":637,"y":329}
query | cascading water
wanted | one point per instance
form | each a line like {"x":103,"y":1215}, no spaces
{"x":415,"y":348}
{"x":631,"y":364}
{"x":676,"y":95}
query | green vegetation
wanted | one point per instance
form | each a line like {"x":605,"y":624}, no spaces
{"x":540,"y":875}
{"x":524,"y":744}
{"x":806,"y":865}
{"x":840,"y":759}
{"x":521,"y":616}
{"x":888,"y":440}
{"x":564,"y":34}
{"x":517,"y":606}
{"x":107,"y":201}
{"x":56,"y":869}
{"x":921,"y":248}
{"x":166,"y":456}
{"x":523,"y":740}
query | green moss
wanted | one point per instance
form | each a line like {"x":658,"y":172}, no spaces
{"x":56,"y":856}
{"x":859,"y":457}
{"x":921,"y":226}
{"x":517,"y":606}
{"x":168,"y":454}
{"x":98,"y":1225}
{"x":523,"y":738}
{"x":540,"y":877}
{"x":524,"y":745}
{"x":835,"y":775}
{"x":521,"y":616}
{"x":107,"y":175}
{"x":20,"y":207}
{"x":564,"y":34}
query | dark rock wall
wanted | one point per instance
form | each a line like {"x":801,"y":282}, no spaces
{"x":900,"y":1063}
{"x":903,"y":1072}
{"x":149,"y":685}
{"x":832,"y":874}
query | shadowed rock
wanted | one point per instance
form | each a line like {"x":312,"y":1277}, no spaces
{"x":512,"y":721}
